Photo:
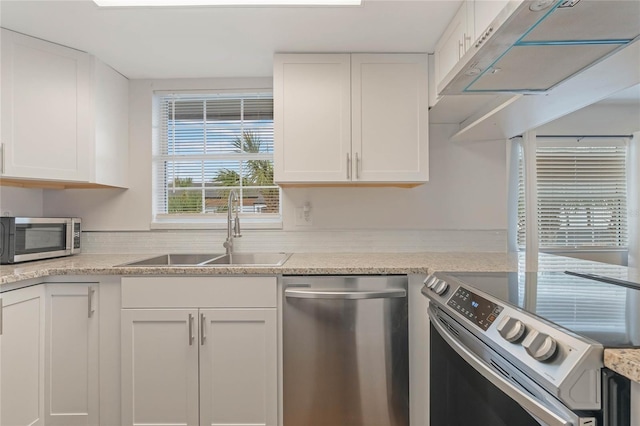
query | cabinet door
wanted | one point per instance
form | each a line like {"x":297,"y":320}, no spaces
{"x":71,"y":371}
{"x":238,"y":367}
{"x":45,"y":109}
{"x":390,"y":117}
{"x":312,"y":117}
{"x":159,"y":367}
{"x":111,"y":119}
{"x":452,"y":44}
{"x":22,"y":357}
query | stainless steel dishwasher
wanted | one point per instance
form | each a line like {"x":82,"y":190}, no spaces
{"x":345,"y":351}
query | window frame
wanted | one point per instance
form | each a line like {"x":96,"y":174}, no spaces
{"x":164,"y":220}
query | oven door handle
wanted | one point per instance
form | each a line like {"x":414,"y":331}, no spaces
{"x":531,"y":405}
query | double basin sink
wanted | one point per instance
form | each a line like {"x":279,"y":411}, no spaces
{"x":204,"y":259}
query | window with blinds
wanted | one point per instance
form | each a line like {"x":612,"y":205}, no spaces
{"x":582,"y":193}
{"x":209,"y":145}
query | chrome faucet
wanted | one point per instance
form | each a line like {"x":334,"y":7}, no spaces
{"x":233,"y":224}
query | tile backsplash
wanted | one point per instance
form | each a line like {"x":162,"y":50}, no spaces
{"x":336,"y":241}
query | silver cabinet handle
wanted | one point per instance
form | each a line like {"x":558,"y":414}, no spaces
{"x":530,"y":404}
{"x":2,"y":163}
{"x":203,"y":329}
{"x":348,"y":166}
{"x":1,"y":316}
{"x":357,"y":166}
{"x":460,"y":48}
{"x":90,"y":307}
{"x":344,"y":295}
{"x":191,"y":336}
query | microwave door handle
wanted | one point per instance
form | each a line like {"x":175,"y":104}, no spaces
{"x":69,"y":242}
{"x":534,"y":407}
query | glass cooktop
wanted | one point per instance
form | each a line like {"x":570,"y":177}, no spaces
{"x":603,"y":311}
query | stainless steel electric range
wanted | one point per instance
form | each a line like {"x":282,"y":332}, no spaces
{"x":527,"y":348}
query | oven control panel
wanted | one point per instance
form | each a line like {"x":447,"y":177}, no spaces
{"x":475,"y":308}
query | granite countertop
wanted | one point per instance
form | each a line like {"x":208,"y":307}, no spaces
{"x":298,"y":264}
{"x":623,"y":361}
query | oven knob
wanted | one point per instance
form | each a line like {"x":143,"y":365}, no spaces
{"x":539,"y":345}
{"x":430,"y":281}
{"x":511,"y":329}
{"x":441,"y":287}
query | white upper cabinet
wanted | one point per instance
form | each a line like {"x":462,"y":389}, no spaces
{"x":389,"y":118}
{"x":454,"y":42}
{"x":64,"y":115}
{"x":45,"y":109}
{"x":110,"y":136}
{"x":468,"y":25}
{"x":351,"y":118}
{"x":312,"y":117}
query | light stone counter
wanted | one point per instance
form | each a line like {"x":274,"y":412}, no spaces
{"x":624,"y":361}
{"x":298,"y":264}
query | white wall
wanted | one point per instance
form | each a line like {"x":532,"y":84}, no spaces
{"x":20,"y":201}
{"x":467,"y":187}
{"x":597,"y":119}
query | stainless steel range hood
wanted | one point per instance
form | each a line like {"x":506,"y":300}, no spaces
{"x":533,"y":46}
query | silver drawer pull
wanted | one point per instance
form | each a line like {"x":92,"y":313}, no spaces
{"x":203,"y":329}
{"x":191,"y":336}
{"x":90,"y":307}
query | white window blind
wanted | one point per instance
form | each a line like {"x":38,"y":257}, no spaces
{"x":593,"y":309}
{"x":582,"y":192}
{"x":208,"y":145}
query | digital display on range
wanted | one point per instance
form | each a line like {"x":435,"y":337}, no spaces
{"x":477,"y":309}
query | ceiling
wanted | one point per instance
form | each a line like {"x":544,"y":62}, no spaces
{"x":198,"y":42}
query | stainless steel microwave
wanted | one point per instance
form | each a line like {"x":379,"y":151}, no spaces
{"x":36,"y":238}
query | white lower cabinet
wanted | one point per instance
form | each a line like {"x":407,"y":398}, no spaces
{"x":22,"y":357}
{"x":159,"y":367}
{"x":203,"y":359}
{"x":49,"y":356}
{"x":71,"y":355}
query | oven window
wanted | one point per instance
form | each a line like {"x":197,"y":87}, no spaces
{"x":36,"y":238}
{"x":460,"y":396}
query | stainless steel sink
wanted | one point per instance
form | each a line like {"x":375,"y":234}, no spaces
{"x":175,"y":259}
{"x":250,"y":259}
{"x":213,"y":259}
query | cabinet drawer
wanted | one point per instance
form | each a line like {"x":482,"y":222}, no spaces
{"x":198,"y":292}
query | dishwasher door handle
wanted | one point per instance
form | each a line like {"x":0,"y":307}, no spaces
{"x":344,"y":295}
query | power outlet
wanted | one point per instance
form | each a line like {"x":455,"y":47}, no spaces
{"x":303,"y":216}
